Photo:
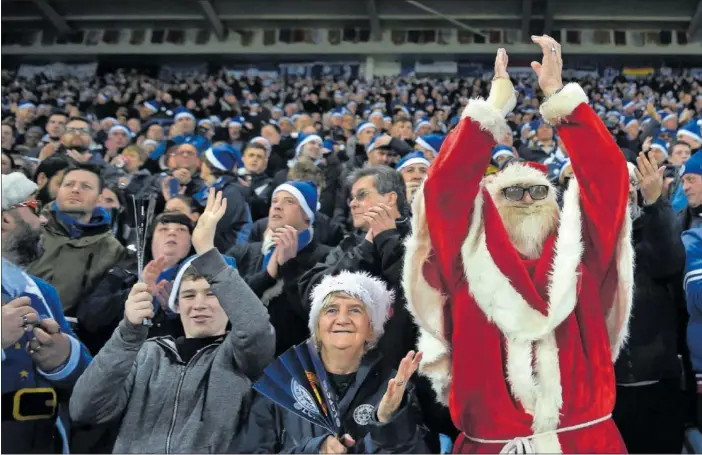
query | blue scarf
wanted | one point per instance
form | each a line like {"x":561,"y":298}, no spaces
{"x":303,"y":239}
{"x":100,"y":217}
{"x":201,"y":196}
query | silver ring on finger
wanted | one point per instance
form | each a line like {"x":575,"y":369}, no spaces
{"x":553,"y":50}
{"x":25,"y":320}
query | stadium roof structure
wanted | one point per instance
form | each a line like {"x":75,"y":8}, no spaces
{"x":221,"y":16}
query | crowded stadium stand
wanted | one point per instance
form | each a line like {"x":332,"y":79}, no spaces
{"x":324,"y":226}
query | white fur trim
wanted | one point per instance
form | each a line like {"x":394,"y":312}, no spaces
{"x":272,"y":292}
{"x":308,"y":139}
{"x":424,"y":144}
{"x":563,"y":103}
{"x":371,"y":291}
{"x":435,"y":364}
{"x":365,"y":126}
{"x":183,"y":114}
{"x":300,"y":199}
{"x":488,"y":117}
{"x":426,"y":303}
{"x":618,"y":315}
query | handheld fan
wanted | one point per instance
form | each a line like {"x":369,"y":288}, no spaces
{"x":298,"y":382}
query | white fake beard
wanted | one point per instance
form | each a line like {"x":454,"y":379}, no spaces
{"x":529,"y":227}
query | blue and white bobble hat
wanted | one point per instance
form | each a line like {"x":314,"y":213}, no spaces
{"x":629,"y":121}
{"x":563,"y":168}
{"x":152,"y":105}
{"x":692,"y":130}
{"x":421,"y":124}
{"x":173,"y":297}
{"x":305,"y":139}
{"x":502,"y":150}
{"x":338,"y":112}
{"x":237,"y":120}
{"x":306,"y":195}
{"x":364,"y":126}
{"x":432,"y":142}
{"x":224,"y":157}
{"x":665,"y":116}
{"x":120,"y":128}
{"x":24,"y":104}
{"x":661,"y":145}
{"x":182,"y":112}
{"x":411,"y":159}
{"x":375,"y":114}
{"x":205,"y":121}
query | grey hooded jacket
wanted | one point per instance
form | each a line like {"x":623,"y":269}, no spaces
{"x":167,"y":406}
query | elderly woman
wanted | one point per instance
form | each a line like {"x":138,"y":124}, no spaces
{"x":379,"y":411}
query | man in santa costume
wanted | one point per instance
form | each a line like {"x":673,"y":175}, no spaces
{"x":523,"y":307}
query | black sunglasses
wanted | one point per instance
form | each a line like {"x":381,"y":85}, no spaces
{"x":516,"y":193}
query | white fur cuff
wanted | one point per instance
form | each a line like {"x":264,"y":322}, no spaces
{"x":563,"y":103}
{"x":488,"y":116}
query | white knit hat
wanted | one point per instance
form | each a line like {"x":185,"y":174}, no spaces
{"x":371,"y":291}
{"x":16,"y":188}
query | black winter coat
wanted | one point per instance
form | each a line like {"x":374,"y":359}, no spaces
{"x":651,"y":352}
{"x":272,"y":429}
{"x":289,"y":314}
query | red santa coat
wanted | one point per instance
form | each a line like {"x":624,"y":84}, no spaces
{"x":518,"y":348}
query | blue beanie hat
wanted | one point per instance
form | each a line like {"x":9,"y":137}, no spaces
{"x":432,"y":142}
{"x":422,"y":123}
{"x":502,"y":150}
{"x":661,"y":145}
{"x":25,"y":103}
{"x":305,"y":193}
{"x":152,"y":105}
{"x":183,"y":112}
{"x":224,"y":157}
{"x":364,"y":126}
{"x":692,"y":130}
{"x":304,"y":139}
{"x":693,"y":165}
{"x":412,"y":158}
{"x":231,"y":262}
{"x":237,"y":120}
{"x":628,"y":121}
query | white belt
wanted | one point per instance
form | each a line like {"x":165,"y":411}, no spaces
{"x":523,"y":445}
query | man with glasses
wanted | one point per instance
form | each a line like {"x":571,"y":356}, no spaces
{"x":41,"y":357}
{"x":524,"y":307}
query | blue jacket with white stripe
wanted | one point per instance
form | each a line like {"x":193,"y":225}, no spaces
{"x":18,"y":369}
{"x":692,"y":239}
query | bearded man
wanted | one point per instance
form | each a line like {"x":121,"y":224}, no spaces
{"x":522,"y":307}
{"x":41,"y":357}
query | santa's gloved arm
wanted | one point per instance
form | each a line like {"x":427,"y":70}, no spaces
{"x":455,"y":176}
{"x":599,"y":167}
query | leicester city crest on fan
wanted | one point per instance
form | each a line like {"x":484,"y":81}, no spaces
{"x":303,"y":400}
{"x":363,"y":414}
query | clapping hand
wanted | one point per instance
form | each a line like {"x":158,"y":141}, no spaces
{"x":550,"y":69}
{"x":650,"y":178}
{"x":392,"y":399}
{"x":151,"y":272}
{"x":380,"y":219}
{"x":204,"y":233}
{"x":286,"y":242}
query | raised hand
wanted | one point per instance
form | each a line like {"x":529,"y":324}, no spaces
{"x":151,"y":272}
{"x":390,"y":402}
{"x":380,"y":219}
{"x":139,"y":305}
{"x":204,"y":233}
{"x":650,"y":178}
{"x":286,"y":243}
{"x":550,"y":69}
{"x":502,"y":94}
